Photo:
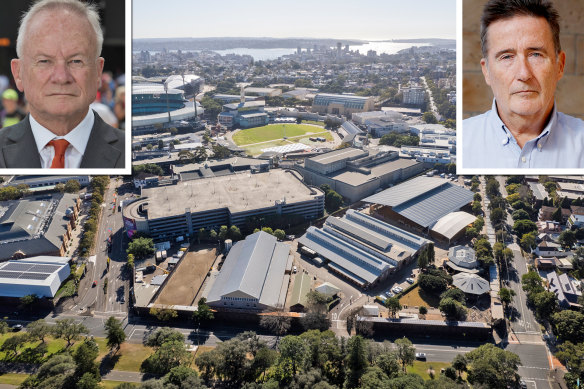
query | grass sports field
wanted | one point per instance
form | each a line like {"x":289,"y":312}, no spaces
{"x":274,"y":131}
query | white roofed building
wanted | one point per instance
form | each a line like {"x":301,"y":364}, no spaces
{"x":41,"y":276}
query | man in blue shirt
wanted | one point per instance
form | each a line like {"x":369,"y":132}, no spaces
{"x":522,"y":63}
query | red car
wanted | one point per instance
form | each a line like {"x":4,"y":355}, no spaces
{"x":94,"y":284}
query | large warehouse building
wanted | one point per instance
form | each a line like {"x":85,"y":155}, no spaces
{"x":168,"y":212}
{"x":344,"y":105}
{"x":362,"y":248}
{"x":355,"y":174}
{"x":253,"y":275}
{"x":39,"y":225}
{"x":41,"y":276}
{"x":421,"y":202}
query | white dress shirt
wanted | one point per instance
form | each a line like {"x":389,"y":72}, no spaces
{"x":77,"y":139}
{"x":488,"y":143}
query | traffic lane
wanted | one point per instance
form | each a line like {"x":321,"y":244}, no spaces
{"x":535,"y":365}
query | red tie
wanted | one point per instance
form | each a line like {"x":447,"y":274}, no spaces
{"x":60,"y":146}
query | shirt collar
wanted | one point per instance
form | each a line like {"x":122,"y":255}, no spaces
{"x":506,"y":135}
{"x":77,"y":137}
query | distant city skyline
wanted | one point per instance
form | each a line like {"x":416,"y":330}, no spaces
{"x":367,"y":20}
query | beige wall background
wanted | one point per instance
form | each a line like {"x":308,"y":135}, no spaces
{"x":477,"y":96}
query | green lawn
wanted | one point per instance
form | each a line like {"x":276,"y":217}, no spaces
{"x":132,"y":356}
{"x":12,"y":378}
{"x":256,"y":149}
{"x":272,"y":132}
{"x":421,"y":368}
{"x":417,"y":297}
{"x":112,"y":384}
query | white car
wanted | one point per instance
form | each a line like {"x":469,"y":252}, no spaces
{"x":410,"y":280}
{"x":396,"y":289}
{"x":389,"y":294}
{"x":421,"y":356}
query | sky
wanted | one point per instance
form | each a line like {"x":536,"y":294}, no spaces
{"x":335,"y":19}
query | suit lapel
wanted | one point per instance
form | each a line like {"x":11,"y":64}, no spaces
{"x":20,"y":151}
{"x":99,"y":153}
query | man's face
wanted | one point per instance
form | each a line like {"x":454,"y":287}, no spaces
{"x":10,"y":105}
{"x":59,"y":71}
{"x":522,"y":67}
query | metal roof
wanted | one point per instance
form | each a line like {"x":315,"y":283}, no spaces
{"x":470,"y":283}
{"x":351,"y":129}
{"x":424,"y":200}
{"x":406,"y":191}
{"x":39,"y":275}
{"x":451,"y":224}
{"x":362,"y":264}
{"x":154,"y":89}
{"x":254,"y":268}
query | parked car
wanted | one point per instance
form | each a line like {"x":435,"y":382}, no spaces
{"x":410,"y":280}
{"x":397,"y":289}
{"x":421,"y":356}
{"x":17,"y":327}
{"x":389,"y":294}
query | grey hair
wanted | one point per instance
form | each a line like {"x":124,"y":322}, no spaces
{"x":80,"y":8}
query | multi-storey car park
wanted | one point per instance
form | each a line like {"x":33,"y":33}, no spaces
{"x":168,"y":212}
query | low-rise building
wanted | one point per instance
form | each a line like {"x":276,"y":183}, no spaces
{"x":41,"y":276}
{"x":343,"y":105}
{"x":566,"y":288}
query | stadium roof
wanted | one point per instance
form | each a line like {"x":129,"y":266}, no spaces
{"x":154,"y":89}
{"x":176,"y":81}
{"x":451,"y":224}
{"x":253,"y":269}
{"x":39,"y":275}
{"x":424,"y":200}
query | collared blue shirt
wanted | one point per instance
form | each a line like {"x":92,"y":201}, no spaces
{"x":488,"y":143}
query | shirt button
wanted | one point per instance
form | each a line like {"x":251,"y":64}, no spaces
{"x":539,"y":146}
{"x":523,"y":159}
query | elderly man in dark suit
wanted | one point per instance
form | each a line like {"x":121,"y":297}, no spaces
{"x":59,"y":70}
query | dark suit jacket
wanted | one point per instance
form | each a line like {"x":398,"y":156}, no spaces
{"x":105,"y":147}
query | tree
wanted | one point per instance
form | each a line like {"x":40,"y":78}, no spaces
{"x":393,"y":305}
{"x":84,"y":358}
{"x":130,"y":261}
{"x":423,"y":310}
{"x":55,"y":373}
{"x":506,"y":295}
{"x":568,"y":325}
{"x":179,"y":375}
{"x":169,"y":355}
{"x":459,"y":363}
{"x":280,"y":234}
{"x":202,"y":235}
{"x":429,"y":118}
{"x":406,"y":352}
{"x":72,"y":186}
{"x":163,"y":314}
{"x":333,"y":201}
{"x":423,"y":259}
{"x":521,"y":227}
{"x":29,"y":300}
{"x":492,"y":367}
{"x":453,"y":309}
{"x":497,"y":216}
{"x":432,"y":284}
{"x":222,"y":235}
{"x":293,"y":348}
{"x":277,"y":322}
{"x":203,"y":313}
{"x":163,"y":335}
{"x":567,"y":239}
{"x":3,"y":327}
{"x":220,"y":152}
{"x":39,"y":330}
{"x":520,"y":214}
{"x":69,"y":330}
{"x":546,"y":303}
{"x":356,"y":360}
{"x":528,"y":241}
{"x":389,"y":364}
{"x":13,"y":344}
{"x":492,"y":187}
{"x":234,"y":233}
{"x":455,"y":294}
{"x":115,"y":333}
{"x":88,"y":381}
{"x":141,"y":247}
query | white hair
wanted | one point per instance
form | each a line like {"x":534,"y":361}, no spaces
{"x":80,"y":8}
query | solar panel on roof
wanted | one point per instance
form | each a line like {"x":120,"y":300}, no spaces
{"x":34,"y":276}
{"x":44,"y":268}
{"x":17,"y":266}
{"x":8,"y":274}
